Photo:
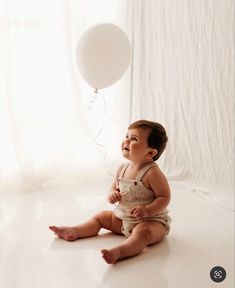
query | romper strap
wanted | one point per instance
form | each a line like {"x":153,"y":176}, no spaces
{"x":123,"y":170}
{"x":144,"y":170}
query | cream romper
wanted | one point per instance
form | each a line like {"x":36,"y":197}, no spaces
{"x":134,"y":193}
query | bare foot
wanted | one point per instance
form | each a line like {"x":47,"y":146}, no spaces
{"x":111,"y":256}
{"x":66,"y":233}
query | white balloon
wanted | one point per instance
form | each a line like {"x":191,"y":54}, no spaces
{"x":103,"y":55}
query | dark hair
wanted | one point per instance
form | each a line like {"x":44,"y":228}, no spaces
{"x":157,"y":138}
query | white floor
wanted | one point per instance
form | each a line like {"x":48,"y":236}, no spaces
{"x":202,"y":236}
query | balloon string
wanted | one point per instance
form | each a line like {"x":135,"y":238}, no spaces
{"x":102,"y":149}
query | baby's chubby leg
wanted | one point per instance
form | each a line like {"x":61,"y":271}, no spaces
{"x":104,"y":219}
{"x":144,"y":234}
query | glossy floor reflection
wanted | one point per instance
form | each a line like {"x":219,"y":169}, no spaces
{"x":202,"y":236}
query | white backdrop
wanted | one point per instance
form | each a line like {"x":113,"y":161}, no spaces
{"x":182,"y":75}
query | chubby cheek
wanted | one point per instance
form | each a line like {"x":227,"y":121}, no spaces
{"x":136,"y":149}
{"x":134,"y":146}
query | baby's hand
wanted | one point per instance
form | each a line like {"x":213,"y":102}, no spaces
{"x":140,"y":212}
{"x":114,"y":197}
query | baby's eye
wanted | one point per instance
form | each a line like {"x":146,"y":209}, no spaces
{"x":134,"y":138}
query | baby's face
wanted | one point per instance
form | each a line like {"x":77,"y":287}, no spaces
{"x":135,"y":145}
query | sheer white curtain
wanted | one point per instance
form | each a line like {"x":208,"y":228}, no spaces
{"x":46,"y":128}
{"x":183,"y":77}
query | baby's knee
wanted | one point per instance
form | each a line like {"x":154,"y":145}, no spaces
{"x":104,"y":218}
{"x":104,"y":214}
{"x":143,"y":232}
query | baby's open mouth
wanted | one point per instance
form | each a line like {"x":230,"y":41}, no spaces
{"x":125,"y":148}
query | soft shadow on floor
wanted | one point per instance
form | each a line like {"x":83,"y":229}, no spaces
{"x":104,"y":240}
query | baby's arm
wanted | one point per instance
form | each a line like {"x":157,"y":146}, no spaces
{"x":159,"y":184}
{"x":114,"y":193}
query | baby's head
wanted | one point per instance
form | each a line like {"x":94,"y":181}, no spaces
{"x":157,"y":137}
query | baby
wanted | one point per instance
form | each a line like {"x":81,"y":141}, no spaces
{"x":142,"y":192}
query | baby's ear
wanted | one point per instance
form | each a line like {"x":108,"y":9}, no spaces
{"x":152,"y":153}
